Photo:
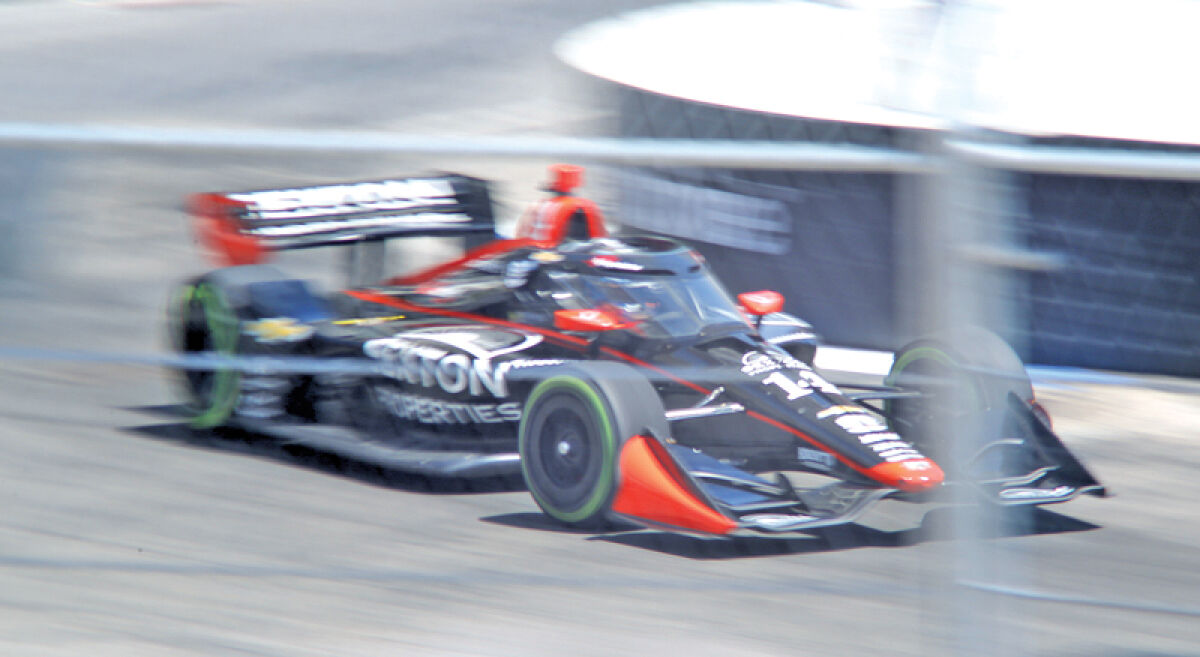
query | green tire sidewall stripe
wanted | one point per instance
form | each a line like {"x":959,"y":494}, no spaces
{"x":223,"y":327}
{"x":931,"y":353}
{"x":604,"y":484}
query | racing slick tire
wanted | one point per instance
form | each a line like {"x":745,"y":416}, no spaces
{"x":964,"y":377}
{"x":207,"y":317}
{"x":571,"y":432}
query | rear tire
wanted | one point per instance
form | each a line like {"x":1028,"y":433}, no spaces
{"x":206,"y":317}
{"x":574,"y":424}
{"x":206,"y":324}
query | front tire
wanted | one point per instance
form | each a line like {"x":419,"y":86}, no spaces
{"x":965,"y":379}
{"x":571,"y":432}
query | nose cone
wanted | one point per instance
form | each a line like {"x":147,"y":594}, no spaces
{"x":915,"y":476}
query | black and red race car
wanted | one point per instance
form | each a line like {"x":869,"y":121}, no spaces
{"x":615,"y":374}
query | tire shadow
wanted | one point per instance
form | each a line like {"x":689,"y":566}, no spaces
{"x":938,"y":524}
{"x":541,"y":522}
{"x":265,"y":447}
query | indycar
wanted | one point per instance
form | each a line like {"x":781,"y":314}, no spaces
{"x":615,"y":375}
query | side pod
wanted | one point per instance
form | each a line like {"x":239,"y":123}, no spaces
{"x":652,"y":489}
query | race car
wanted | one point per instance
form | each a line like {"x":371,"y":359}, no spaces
{"x":614,"y":374}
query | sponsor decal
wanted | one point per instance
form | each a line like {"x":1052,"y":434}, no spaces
{"x":278,"y":329}
{"x":546,"y":257}
{"x":897,"y":453}
{"x":261,"y":396}
{"x":430,"y":366}
{"x":351,"y":198}
{"x":423,"y":359}
{"x":806,"y":383}
{"x":873,"y":432}
{"x":483,"y":345}
{"x":368,"y":321}
{"x":880,"y":437}
{"x":439,"y":411}
{"x":815,"y":458}
{"x":860,"y":423}
{"x":411,"y":221}
{"x":1036,"y":493}
{"x":755,"y":363}
{"x":838,"y":410}
{"x":904,"y":456}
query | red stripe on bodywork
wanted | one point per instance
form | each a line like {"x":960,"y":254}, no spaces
{"x":376,"y":297}
{"x":875,"y":473}
{"x":489,"y":250}
{"x":651,"y":488}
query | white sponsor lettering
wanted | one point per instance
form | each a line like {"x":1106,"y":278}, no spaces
{"x":815,"y":458}
{"x":872,"y":431}
{"x":838,"y":410}
{"x":794,"y":389}
{"x":889,"y":446}
{"x":349,"y":198}
{"x":438,"y":411}
{"x":897,"y":453}
{"x":755,"y":363}
{"x":905,"y":457}
{"x":452,"y":373}
{"x":861,"y":423}
{"x":412,"y":221}
{"x":883,"y":436}
{"x":428,"y":366}
{"x":814,"y":380}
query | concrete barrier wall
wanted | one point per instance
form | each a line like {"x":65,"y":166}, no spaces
{"x":1128,"y":298}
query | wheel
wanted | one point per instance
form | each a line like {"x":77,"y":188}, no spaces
{"x":964,"y":378}
{"x":571,"y":432}
{"x":205,"y":323}
{"x":206,"y":317}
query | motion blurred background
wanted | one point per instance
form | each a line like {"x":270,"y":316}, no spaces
{"x":124,"y":534}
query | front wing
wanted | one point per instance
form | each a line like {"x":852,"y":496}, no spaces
{"x":670,"y":486}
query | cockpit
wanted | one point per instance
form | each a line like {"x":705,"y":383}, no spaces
{"x":659,"y":288}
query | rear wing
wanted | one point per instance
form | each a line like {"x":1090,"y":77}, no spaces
{"x":243,"y":227}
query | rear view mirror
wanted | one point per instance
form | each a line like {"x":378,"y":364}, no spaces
{"x":763,"y":302}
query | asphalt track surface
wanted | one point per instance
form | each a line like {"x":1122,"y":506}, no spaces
{"x":121,"y":533}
